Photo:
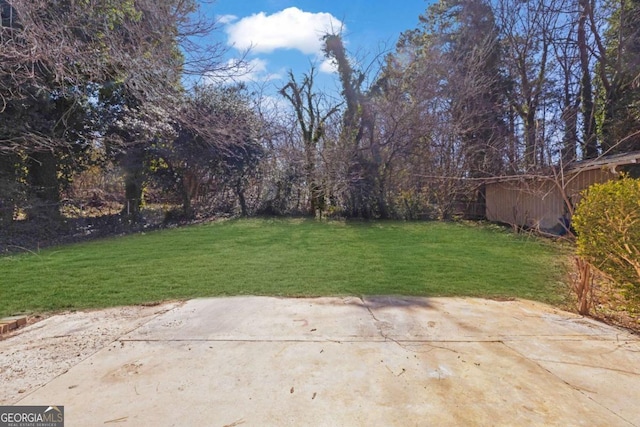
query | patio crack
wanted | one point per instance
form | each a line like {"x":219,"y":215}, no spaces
{"x":404,"y":344}
{"x":584,"y":365}
{"x":583,"y":391}
{"x":377,"y":322}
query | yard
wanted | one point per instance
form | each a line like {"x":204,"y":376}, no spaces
{"x":289,"y":257}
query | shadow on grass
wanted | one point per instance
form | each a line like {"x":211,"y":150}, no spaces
{"x":396,"y":302}
{"x":379,"y":301}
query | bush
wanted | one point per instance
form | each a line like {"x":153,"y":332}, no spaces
{"x":412,"y":205}
{"x":607,"y":222}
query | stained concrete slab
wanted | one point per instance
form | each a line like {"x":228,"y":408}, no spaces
{"x":352,"y":361}
{"x":31,"y":357}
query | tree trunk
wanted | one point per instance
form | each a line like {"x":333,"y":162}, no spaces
{"x":570,"y":138}
{"x":189,"y":189}
{"x":244,"y":210}
{"x":583,"y":286}
{"x":530,"y":138}
{"x":8,"y":188}
{"x":133,"y":196}
{"x":133,"y":184}
{"x":310,"y":177}
{"x":590,"y":144}
{"x":187,"y":209}
{"x":42,"y":169}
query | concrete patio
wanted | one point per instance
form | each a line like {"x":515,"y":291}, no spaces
{"x":327,"y":362}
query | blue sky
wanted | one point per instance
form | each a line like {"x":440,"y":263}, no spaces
{"x":284,"y":34}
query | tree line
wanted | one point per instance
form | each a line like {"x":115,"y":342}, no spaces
{"x":479,"y":89}
{"x":122,"y":91}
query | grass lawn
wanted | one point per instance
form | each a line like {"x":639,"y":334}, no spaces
{"x":284,"y":258}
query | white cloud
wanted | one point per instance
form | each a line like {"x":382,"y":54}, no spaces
{"x":226,"y":19}
{"x":275,"y":104}
{"x":328,"y":66}
{"x":255,"y":70}
{"x":290,"y":28}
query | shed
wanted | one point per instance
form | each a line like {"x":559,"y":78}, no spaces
{"x":545,"y":201}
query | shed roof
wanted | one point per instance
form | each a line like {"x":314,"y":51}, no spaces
{"x":611,"y":162}
{"x":603,"y":162}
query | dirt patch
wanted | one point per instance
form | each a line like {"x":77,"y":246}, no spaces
{"x":610,"y":306}
{"x":48,"y":347}
{"x":607,"y":301}
{"x":32,"y":236}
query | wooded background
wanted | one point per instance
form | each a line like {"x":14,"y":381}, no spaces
{"x":110,"y":106}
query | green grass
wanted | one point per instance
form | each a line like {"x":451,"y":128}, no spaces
{"x":284,"y":258}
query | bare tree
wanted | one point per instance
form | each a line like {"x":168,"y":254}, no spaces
{"x":567,"y":59}
{"x":526,"y":31}
{"x":590,"y":140}
{"x":362,"y":137}
{"x":311,"y":116}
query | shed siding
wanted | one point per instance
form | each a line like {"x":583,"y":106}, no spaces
{"x":538,"y":203}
